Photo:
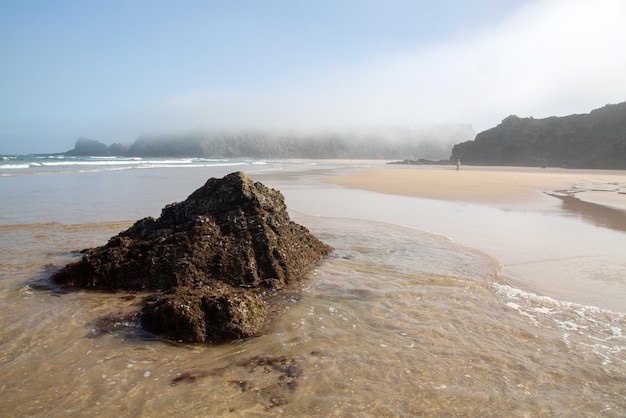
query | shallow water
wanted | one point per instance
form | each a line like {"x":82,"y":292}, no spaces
{"x":396,"y":322}
{"x":555,"y":251}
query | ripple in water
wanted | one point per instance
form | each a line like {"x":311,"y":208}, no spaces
{"x":395,"y":323}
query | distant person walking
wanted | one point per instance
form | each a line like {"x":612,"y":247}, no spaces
{"x":458,"y":164}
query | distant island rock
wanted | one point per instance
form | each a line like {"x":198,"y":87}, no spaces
{"x":89,"y":148}
{"x":594,"y":140}
{"x":86,"y":147}
{"x":213,"y":258}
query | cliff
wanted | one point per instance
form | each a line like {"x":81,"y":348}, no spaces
{"x":432,"y":142}
{"x":593,"y":140}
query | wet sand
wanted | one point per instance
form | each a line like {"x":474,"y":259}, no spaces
{"x":556,"y":232}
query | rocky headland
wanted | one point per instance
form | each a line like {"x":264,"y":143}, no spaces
{"x":212,"y":260}
{"x":593,"y":140}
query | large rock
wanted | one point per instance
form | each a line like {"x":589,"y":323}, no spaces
{"x":212,"y":257}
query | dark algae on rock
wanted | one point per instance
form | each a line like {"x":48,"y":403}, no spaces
{"x":211,"y":259}
{"x":267,"y":378}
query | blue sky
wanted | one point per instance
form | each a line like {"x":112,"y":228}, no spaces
{"x":114,"y":70}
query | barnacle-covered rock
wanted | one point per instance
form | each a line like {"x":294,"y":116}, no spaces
{"x":222,"y":248}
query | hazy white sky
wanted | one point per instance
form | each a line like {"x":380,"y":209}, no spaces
{"x":113,"y":70}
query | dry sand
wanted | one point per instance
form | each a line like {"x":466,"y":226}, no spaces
{"x":500,"y":186}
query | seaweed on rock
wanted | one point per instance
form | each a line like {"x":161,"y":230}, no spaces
{"x":211,"y":258}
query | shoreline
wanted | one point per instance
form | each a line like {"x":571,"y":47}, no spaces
{"x":548,"y":240}
{"x":596,"y":196}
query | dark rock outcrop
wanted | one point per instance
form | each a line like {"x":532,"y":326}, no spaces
{"x":85,"y":147}
{"x":213,"y":258}
{"x":594,"y":140}
{"x":89,"y":148}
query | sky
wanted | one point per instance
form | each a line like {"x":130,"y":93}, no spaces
{"x":118,"y":69}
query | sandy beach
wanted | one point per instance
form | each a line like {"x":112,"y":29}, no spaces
{"x":512,"y":187}
{"x":556,"y":232}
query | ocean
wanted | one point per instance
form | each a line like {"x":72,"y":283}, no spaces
{"x":399,"y":321}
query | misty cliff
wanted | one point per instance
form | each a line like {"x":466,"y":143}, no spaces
{"x":593,"y":140}
{"x":432,"y":142}
{"x":429,"y":142}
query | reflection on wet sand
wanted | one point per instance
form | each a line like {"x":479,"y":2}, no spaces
{"x":598,"y":215}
